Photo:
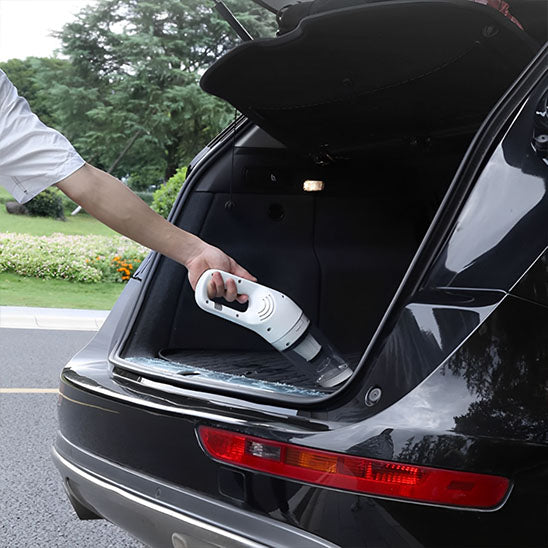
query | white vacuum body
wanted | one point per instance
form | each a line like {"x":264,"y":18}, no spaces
{"x":281,"y":322}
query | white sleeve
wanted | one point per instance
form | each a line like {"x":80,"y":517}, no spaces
{"x":32,"y":155}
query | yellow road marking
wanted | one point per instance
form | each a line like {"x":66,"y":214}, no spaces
{"x":29,"y":390}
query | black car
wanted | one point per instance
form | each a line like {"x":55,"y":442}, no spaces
{"x":389,"y":175}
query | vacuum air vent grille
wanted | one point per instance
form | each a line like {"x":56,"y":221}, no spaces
{"x":267,"y":309}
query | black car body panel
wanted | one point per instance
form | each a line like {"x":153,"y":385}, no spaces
{"x":457,"y":351}
{"x":509,"y":405}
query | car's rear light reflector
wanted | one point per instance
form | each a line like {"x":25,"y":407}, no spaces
{"x":358,"y":474}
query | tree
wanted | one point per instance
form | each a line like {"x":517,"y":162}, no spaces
{"x":135,"y":71}
{"x":25,"y":75}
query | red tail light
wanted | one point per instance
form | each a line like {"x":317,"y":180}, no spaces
{"x":358,"y":474}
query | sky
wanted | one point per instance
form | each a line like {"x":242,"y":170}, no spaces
{"x":25,"y":25}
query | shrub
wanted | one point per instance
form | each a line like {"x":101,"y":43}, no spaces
{"x":147,"y":197}
{"x":47,"y":204}
{"x":164,"y":197}
{"x":78,"y":258}
{"x":146,"y":177}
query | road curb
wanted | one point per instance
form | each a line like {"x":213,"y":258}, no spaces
{"x":22,"y":317}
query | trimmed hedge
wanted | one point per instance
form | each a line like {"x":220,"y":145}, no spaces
{"x":78,"y":258}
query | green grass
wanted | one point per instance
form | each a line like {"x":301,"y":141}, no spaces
{"x":22,"y":291}
{"x":5,"y":196}
{"x":82,"y":223}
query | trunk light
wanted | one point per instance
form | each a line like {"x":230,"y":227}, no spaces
{"x":313,"y":186}
{"x":368,"y":476}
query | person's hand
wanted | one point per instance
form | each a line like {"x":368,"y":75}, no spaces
{"x":208,"y":257}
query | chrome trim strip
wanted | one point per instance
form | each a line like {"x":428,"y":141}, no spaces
{"x":283,"y":422}
{"x":141,"y":402}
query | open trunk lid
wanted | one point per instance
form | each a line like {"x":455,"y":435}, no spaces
{"x":346,"y":78}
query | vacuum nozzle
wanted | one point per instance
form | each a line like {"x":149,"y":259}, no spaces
{"x":281,"y":322}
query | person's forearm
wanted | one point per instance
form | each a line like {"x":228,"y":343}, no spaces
{"x":110,"y":201}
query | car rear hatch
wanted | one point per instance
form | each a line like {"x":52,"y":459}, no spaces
{"x":348,"y":78}
{"x":380,"y":102}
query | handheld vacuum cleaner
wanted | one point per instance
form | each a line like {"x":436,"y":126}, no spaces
{"x":278,"y":320}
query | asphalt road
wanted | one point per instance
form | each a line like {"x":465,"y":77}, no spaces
{"x":34,"y":510}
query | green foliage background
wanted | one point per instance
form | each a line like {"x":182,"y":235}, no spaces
{"x":132,"y":73}
{"x":164,"y":197}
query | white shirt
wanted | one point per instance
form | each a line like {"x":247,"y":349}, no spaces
{"x":32,"y":155}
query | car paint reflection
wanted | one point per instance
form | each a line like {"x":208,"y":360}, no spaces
{"x":498,"y":190}
{"x":504,"y":216}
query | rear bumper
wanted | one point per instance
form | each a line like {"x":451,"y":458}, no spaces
{"x":163,"y":515}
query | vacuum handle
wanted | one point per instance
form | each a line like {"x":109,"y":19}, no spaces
{"x":269,"y":313}
{"x":244,"y":287}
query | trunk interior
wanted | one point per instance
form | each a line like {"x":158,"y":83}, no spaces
{"x":340,"y":254}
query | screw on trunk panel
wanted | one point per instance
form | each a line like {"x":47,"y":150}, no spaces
{"x":489,"y":31}
{"x":373,"y":396}
{"x":276,"y":212}
{"x":347,"y":82}
{"x":540,"y":143}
